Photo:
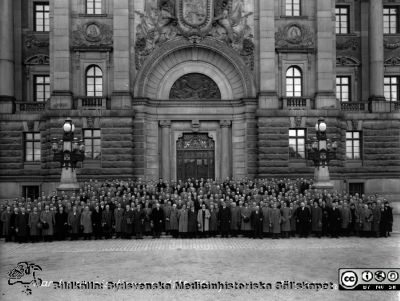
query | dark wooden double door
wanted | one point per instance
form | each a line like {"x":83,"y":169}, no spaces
{"x":195,"y":157}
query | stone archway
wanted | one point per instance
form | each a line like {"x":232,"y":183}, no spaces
{"x":179,"y":57}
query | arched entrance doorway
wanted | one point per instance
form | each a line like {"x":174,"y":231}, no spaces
{"x":195,"y":154}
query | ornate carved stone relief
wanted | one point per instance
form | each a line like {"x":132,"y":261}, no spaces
{"x":195,"y":86}
{"x":393,"y":61}
{"x":225,"y":20}
{"x":347,"y":44}
{"x":294,"y":35}
{"x":195,"y":141}
{"x":92,"y":34}
{"x":347,"y":61}
{"x":40,"y":59}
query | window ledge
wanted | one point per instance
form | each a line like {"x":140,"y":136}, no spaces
{"x":33,"y":165}
{"x":93,"y":15}
{"x":294,"y":17}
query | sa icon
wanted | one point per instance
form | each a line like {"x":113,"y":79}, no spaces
{"x":367,"y":276}
{"x":349,"y":279}
{"x":392,"y":276}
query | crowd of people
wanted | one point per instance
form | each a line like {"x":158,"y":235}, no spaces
{"x":275,"y":208}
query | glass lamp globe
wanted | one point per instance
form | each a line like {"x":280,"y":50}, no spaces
{"x":73,"y":128}
{"x":67,"y":127}
{"x":322,"y":126}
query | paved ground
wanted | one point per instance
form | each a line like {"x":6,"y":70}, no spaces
{"x":216,"y":259}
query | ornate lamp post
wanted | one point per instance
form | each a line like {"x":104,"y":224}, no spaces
{"x":321,"y":150}
{"x":68,"y":151}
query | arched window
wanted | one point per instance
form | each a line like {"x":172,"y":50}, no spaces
{"x":293,"y":82}
{"x":94,"y":81}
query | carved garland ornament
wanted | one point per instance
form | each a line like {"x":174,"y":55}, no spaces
{"x":194,"y":86}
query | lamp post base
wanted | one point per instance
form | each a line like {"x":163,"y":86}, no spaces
{"x":68,"y":184}
{"x":321,"y":178}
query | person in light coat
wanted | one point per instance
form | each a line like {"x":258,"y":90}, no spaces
{"x":33,"y":222}
{"x":203,"y":220}
{"x":86,"y":223}
{"x":47,"y":217}
{"x":183,"y":221}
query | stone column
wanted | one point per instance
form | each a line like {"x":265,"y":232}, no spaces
{"x":6,"y":56}
{"x":268,"y":98}
{"x":376,"y":50}
{"x":165,"y":149}
{"x":225,"y":149}
{"x":60,"y":60}
{"x":121,"y":98}
{"x":326,"y":55}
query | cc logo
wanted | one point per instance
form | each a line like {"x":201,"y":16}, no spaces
{"x":349,"y":279}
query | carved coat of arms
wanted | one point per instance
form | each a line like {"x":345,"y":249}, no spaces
{"x":195,"y":16}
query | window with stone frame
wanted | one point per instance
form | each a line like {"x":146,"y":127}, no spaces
{"x":342,"y":19}
{"x":92,"y":141}
{"x":391,"y":20}
{"x":94,"y":81}
{"x":41,"y":16}
{"x":297,"y":143}
{"x":41,"y":88}
{"x":94,"y":7}
{"x":353,"y":145}
{"x":292,"y":8}
{"x":294,"y":82}
{"x":343,"y":88}
{"x":32,"y":147}
{"x":391,"y":88}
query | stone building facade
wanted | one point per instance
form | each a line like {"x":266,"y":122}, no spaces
{"x":200,"y":88}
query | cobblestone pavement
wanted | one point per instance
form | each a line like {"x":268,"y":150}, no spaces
{"x":215,"y":259}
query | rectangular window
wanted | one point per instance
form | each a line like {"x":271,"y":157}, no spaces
{"x":391,"y":88}
{"x":356,"y":188}
{"x":32,"y":147}
{"x":41,"y":16}
{"x":342,"y":20}
{"x":297,"y":143}
{"x":41,"y":87}
{"x":93,"y":7}
{"x":92,"y":140}
{"x":353,"y":145}
{"x":343,"y":92}
{"x":391,"y":20}
{"x":293,"y":8}
{"x":31,"y":191}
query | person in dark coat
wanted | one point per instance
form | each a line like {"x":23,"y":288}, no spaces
{"x":353,"y":219}
{"x":334,"y":220}
{"x":276,"y":220}
{"x":325,"y":219}
{"x":96,"y":221}
{"x":118,"y":215}
{"x":139,"y":216}
{"x":376,"y":219}
{"x":21,"y":225}
{"x":386,"y":219}
{"x":236,"y":218}
{"x":174,"y":221}
{"x":33,"y":222}
{"x":192,"y":222}
{"x":157,"y":217}
{"x":303,"y":219}
{"x":127,"y":222}
{"x":61,"y":223}
{"x":345,"y":216}
{"x":74,"y":222}
{"x":167,"y":212}
{"x":316,"y":219}
{"x":107,"y":219}
{"x":6,"y":220}
{"x":257,"y":222}
{"x":224,"y":216}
